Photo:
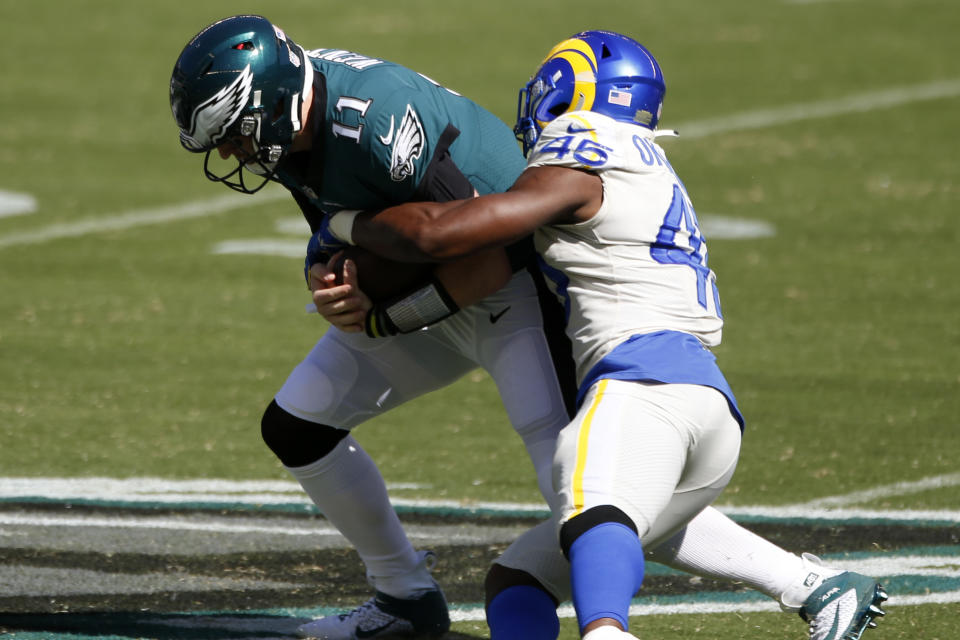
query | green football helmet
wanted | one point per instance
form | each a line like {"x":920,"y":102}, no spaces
{"x":241,"y":77}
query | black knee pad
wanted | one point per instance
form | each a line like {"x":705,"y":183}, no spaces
{"x":578,"y":525}
{"x":297,"y":442}
{"x":500,"y":578}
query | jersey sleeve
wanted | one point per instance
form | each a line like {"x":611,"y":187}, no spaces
{"x":578,"y":140}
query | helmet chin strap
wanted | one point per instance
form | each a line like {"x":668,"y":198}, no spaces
{"x":260,"y":168}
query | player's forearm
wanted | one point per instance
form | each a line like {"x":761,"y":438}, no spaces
{"x":440,"y":232}
{"x":471,"y":279}
{"x":401,"y":233}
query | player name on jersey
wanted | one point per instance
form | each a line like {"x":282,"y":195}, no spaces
{"x":348,"y":58}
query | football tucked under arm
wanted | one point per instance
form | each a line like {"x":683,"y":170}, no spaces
{"x":406,"y":297}
{"x":467,"y":280}
{"x":409,"y":296}
{"x":382,"y":279}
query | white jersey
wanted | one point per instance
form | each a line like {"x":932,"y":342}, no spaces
{"x":639,"y":266}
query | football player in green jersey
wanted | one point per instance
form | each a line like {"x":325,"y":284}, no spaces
{"x":345,"y":131}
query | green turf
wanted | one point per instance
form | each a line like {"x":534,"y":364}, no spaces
{"x":138,"y":352}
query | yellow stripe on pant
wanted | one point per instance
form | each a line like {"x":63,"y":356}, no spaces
{"x":583,"y":439}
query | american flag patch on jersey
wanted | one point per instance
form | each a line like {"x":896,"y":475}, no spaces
{"x":621,"y":98}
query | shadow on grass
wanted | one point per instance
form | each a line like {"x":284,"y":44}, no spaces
{"x":161,"y":626}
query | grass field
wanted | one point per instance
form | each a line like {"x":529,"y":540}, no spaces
{"x":132,"y":345}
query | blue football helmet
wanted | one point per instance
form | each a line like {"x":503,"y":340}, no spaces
{"x":240,"y":80}
{"x":599,"y":71}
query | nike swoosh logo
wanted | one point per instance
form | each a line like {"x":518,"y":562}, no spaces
{"x":386,"y":140}
{"x":496,"y":316}
{"x":836,"y":623}
{"x":372,"y":633}
{"x":575,"y":129}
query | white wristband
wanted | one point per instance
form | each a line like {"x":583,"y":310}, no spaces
{"x":341,"y":225}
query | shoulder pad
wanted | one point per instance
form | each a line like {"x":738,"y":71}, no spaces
{"x":581,"y":140}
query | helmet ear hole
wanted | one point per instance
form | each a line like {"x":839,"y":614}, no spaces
{"x":559,"y":109}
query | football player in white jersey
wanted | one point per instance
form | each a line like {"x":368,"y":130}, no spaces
{"x":657,"y":434}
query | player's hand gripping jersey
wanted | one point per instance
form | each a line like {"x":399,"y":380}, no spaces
{"x":641,"y":301}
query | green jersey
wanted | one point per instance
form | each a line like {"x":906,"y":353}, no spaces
{"x":387,"y":135}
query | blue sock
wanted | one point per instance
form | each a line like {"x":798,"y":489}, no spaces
{"x":523,"y":612}
{"x":606,"y":570}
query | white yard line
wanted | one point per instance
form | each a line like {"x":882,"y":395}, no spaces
{"x":886,"y":491}
{"x":263,"y":246}
{"x":859,"y":103}
{"x":139,"y":217}
{"x":16,"y":204}
{"x":870,"y":101}
{"x":801,"y":512}
{"x":703,"y":607}
{"x":176,"y":526}
{"x":718,"y":227}
{"x":164,"y":490}
{"x":159,"y":523}
{"x":280,"y":492}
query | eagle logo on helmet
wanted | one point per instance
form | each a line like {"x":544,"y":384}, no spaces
{"x":213,"y":117}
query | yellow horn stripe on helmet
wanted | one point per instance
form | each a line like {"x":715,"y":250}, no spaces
{"x":584,"y":64}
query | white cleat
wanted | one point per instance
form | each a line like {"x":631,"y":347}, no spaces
{"x":608,"y":633}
